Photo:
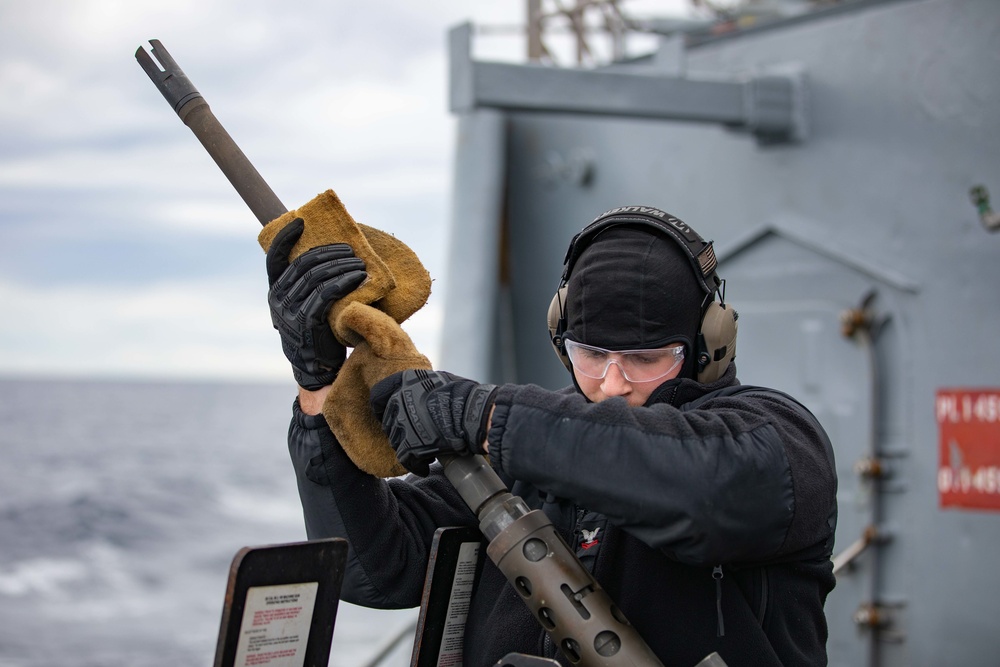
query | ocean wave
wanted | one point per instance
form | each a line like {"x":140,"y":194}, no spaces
{"x":123,"y":505}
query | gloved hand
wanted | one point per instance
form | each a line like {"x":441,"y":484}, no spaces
{"x":301,"y":295}
{"x":428,"y":413}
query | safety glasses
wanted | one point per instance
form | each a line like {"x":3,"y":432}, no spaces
{"x":635,"y":365}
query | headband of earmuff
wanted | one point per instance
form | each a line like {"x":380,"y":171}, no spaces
{"x":716,"y":340}
{"x":699,"y":251}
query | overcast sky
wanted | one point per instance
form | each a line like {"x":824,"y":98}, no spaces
{"x":125,"y":252}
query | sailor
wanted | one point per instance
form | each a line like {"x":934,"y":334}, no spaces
{"x":704,"y":507}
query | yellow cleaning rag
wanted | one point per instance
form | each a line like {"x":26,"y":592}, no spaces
{"x":367,"y":319}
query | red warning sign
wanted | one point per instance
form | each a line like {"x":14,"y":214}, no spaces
{"x":969,"y":469}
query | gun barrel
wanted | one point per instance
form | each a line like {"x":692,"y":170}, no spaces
{"x":194,"y":111}
{"x":563,"y":596}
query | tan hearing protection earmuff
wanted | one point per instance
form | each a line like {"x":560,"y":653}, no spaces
{"x":715,"y":346}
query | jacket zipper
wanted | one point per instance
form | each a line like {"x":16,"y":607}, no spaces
{"x":763,"y":596}
{"x":548,"y":648}
{"x":717,"y":575}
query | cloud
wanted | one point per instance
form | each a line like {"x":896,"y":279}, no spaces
{"x":126,"y":251}
{"x":106,"y":199}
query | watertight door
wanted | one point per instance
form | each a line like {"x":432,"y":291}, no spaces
{"x":791,"y":338}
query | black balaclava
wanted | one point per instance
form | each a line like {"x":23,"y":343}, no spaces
{"x":632,"y":288}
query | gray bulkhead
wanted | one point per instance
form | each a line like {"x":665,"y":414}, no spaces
{"x":864,"y":212}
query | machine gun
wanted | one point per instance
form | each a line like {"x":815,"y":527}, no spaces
{"x":563,"y":596}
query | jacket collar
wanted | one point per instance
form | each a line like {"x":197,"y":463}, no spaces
{"x":678,"y":391}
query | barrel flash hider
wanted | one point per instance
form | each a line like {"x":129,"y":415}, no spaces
{"x":367,"y":320}
{"x":564,"y":597}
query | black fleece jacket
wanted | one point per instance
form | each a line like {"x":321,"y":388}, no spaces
{"x":707,"y":515}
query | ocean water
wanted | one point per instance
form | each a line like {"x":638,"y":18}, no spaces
{"x":122,"y":505}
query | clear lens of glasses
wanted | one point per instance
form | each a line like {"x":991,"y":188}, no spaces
{"x":635,"y":365}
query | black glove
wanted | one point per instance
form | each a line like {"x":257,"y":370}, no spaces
{"x":302,"y":293}
{"x":427,"y":413}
